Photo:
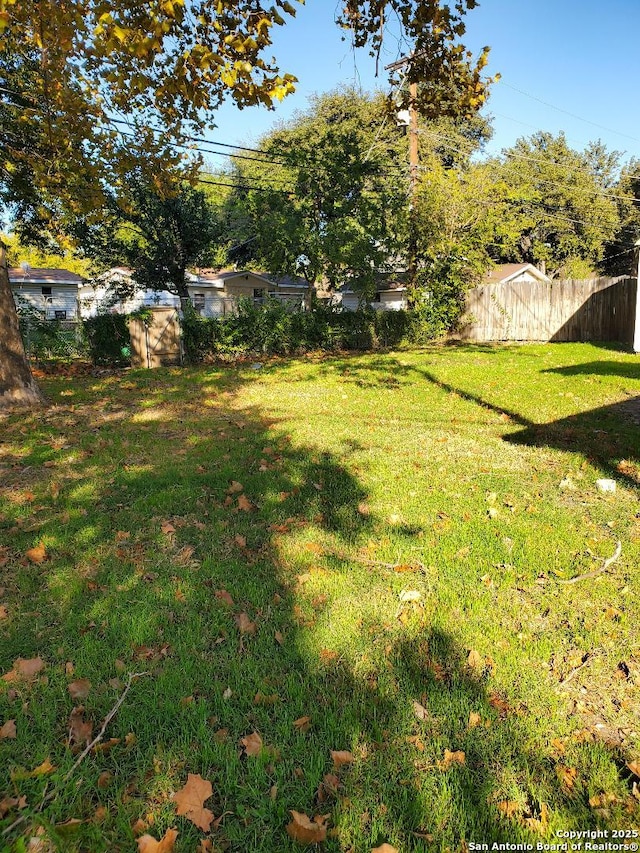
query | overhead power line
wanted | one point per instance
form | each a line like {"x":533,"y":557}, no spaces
{"x":567,"y":112}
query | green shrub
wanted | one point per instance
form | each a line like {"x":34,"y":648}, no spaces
{"x":108,"y":338}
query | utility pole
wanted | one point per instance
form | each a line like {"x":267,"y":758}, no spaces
{"x":414,"y":165}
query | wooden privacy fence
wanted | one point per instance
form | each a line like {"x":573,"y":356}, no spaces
{"x":599,"y":309}
{"x":156,"y":343}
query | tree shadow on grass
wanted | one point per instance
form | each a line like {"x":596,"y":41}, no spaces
{"x":246,"y":616}
{"x":627,"y":370}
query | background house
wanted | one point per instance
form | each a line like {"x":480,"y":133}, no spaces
{"x":214,"y":293}
{"x":53,"y":293}
{"x":389,"y":296}
{"x":514,"y":274}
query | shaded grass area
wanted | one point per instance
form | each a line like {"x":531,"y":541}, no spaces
{"x":396,"y":529}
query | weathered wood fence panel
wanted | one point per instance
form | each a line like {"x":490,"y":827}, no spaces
{"x":157,"y":343}
{"x":600,"y":309}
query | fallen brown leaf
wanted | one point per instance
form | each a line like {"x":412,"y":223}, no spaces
{"x":4,"y":613}
{"x":148,"y":844}
{"x":420,"y":711}
{"x":306,"y":831}
{"x":508,"y":808}
{"x":634,"y":767}
{"x":79,"y":689}
{"x":341,"y":757}
{"x":474,"y":720}
{"x":457,"y":757}
{"x":79,"y":728}
{"x":302,"y":724}
{"x":190,"y":801}
{"x":245,"y":504}
{"x":244,"y":623}
{"x":104,"y":779}
{"x":24,"y":669}
{"x":279,"y":638}
{"x":167,"y":528}
{"x":567,"y":775}
{"x":38,"y":554}
{"x":241,"y":541}
{"x":384,"y":848}
{"x":328,"y":788}
{"x":8,"y":803}
{"x":8,"y":730}
{"x":235,"y":487}
{"x":252,"y":744}
{"x":223,"y":595}
{"x":475,"y":660}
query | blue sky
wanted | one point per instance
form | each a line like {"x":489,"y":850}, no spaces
{"x":579,"y":57}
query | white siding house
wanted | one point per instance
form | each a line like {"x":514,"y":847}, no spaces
{"x":388,"y":297}
{"x":213,"y":293}
{"x":53,"y":293}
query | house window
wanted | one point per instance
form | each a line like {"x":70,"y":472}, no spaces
{"x":258,"y":294}
{"x":46,"y":291}
{"x":60,"y":315}
{"x":198,"y":302}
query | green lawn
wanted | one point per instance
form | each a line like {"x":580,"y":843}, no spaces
{"x":379,"y":543}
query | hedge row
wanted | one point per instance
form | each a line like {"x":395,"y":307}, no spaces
{"x":271,"y":328}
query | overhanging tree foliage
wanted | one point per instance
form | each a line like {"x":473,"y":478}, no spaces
{"x":158,"y":232}
{"x":71,"y":67}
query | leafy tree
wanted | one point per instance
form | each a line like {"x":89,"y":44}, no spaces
{"x":619,"y":254}
{"x":331,"y":203}
{"x":73,"y":66}
{"x":158,"y":232}
{"x":552,"y":205}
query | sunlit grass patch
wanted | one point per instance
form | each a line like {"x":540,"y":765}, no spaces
{"x":361,"y":553}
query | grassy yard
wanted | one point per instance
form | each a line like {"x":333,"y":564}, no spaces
{"x":364,"y":554}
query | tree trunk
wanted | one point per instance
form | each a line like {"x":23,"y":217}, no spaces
{"x":17,"y":386}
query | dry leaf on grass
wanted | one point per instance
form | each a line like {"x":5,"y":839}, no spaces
{"x":223,"y":595}
{"x":235,"y":487}
{"x":190,"y":801}
{"x":302,"y":724}
{"x":475,"y":660}
{"x":38,"y":554}
{"x":24,"y":670}
{"x":241,"y":541}
{"x":252,"y":744}
{"x":279,"y":638}
{"x":245,"y":504}
{"x":474,"y":720}
{"x":8,"y":730}
{"x":41,"y":770}
{"x":8,"y":803}
{"x":634,"y":767}
{"x":306,"y":831}
{"x":244,"y":623}
{"x":508,"y":808}
{"x":79,"y":689}
{"x":148,"y":844}
{"x":328,"y":788}
{"x":567,"y":775}
{"x":79,"y":729}
{"x":341,"y":757}
{"x":167,"y":528}
{"x":384,"y":848}
{"x":4,"y":613}
{"x":420,"y":711}
{"x":457,"y":757}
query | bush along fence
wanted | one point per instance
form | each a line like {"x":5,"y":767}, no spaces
{"x":271,"y":328}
